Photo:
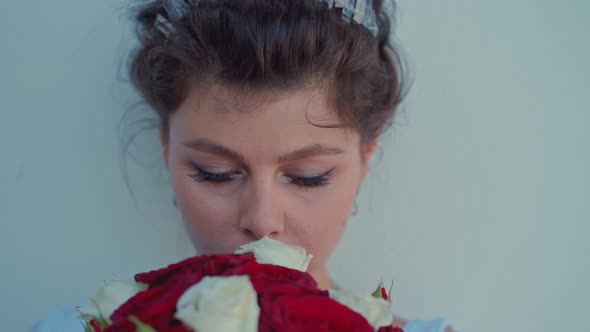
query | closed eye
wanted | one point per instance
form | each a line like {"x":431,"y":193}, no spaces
{"x":315,"y":181}
{"x":311,"y":181}
{"x":204,"y":176}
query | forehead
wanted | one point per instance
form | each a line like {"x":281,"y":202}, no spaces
{"x":268,"y":120}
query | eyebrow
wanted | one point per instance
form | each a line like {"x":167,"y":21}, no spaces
{"x":314,"y":150}
{"x":205,"y":145}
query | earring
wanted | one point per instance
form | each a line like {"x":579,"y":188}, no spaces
{"x":174,"y":201}
{"x":354,"y":209}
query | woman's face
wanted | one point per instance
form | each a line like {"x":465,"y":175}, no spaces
{"x":245,"y":168}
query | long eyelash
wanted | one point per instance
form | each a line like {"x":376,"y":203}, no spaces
{"x":202,"y":176}
{"x":312,"y":181}
{"x":302,"y":181}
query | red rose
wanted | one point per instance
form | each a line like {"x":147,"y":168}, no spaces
{"x":309,"y":313}
{"x":384,"y":293}
{"x":155,"y":307}
{"x":390,"y":329}
{"x":95,"y":324}
{"x":194,"y":268}
{"x":289,"y":299}
{"x":266,"y":278}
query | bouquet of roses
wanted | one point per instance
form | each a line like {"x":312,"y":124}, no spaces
{"x":261,"y":287}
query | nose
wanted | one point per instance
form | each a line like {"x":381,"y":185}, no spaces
{"x":262,"y":213}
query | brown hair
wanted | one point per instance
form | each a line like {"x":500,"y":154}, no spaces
{"x":269,"y":46}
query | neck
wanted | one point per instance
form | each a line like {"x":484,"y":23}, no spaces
{"x":323,"y":279}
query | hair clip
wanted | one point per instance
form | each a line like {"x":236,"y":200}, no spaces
{"x":176,"y":9}
{"x":163,"y":25}
{"x":359,"y":11}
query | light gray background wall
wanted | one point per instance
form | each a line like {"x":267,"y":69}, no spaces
{"x":479,"y":208}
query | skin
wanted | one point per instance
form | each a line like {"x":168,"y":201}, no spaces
{"x":267,"y":150}
{"x":264,"y":145}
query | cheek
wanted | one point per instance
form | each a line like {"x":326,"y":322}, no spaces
{"x":209,"y":219}
{"x":322,"y":220}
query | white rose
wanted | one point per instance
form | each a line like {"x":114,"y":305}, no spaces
{"x":227,"y":304}
{"x":110,"y":297}
{"x":377,"y":311}
{"x":269,"y":251}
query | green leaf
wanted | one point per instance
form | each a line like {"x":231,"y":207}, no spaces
{"x":141,"y":326}
{"x":377,"y":292}
{"x":389,"y":294}
{"x":103,"y":322}
{"x":87,"y":327}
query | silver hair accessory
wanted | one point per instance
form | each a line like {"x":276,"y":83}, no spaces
{"x":359,"y":11}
